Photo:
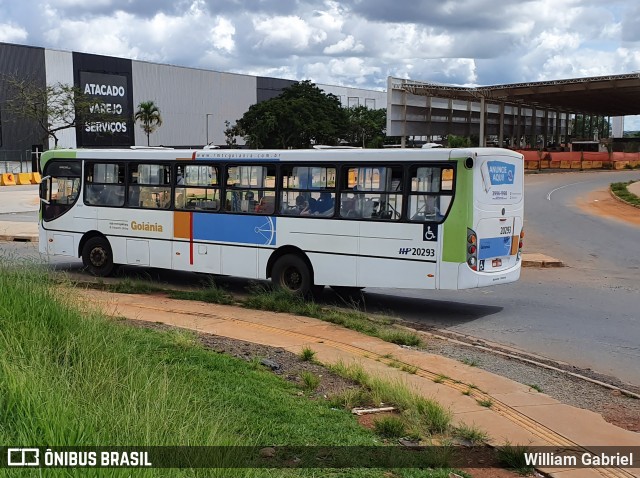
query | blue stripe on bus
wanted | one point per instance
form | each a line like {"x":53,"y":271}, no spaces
{"x":238,"y":229}
{"x":494,"y":247}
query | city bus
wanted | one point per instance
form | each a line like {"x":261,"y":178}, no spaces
{"x":354,"y":218}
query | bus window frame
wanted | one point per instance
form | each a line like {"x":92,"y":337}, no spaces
{"x":123,"y":162}
{"x":409,"y":192}
{"x":252,"y":208}
{"x":164,"y":163}
{"x":344,"y":179}
{"x":219,"y":168}
{"x":282,"y":190}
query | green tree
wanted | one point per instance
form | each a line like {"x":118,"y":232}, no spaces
{"x":301,"y":116}
{"x":367,"y":127}
{"x":454,"y":141}
{"x":54,"y":107}
{"x":149,"y":116}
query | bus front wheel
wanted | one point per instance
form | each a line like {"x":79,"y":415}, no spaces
{"x":97,"y":257}
{"x":291,"y":273}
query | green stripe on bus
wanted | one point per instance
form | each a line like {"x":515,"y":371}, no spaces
{"x":55,"y":154}
{"x":460,"y":217}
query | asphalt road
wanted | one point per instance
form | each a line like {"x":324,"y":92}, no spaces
{"x":586,"y":314}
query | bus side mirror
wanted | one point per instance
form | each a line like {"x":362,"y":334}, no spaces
{"x":43,"y":190}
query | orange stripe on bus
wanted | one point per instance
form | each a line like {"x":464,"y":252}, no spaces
{"x":182,"y":225}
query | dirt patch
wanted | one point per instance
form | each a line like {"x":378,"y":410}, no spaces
{"x":600,"y":203}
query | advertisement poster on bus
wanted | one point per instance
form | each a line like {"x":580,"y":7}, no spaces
{"x":501,"y":181}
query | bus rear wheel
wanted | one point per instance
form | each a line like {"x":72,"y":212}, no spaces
{"x":291,"y":273}
{"x":97,"y":257}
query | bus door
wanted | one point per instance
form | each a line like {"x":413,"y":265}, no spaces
{"x":59,"y":192}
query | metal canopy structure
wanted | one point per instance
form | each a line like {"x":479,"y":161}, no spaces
{"x":615,"y":95}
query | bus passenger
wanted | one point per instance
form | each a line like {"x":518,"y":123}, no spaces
{"x":324,"y":204}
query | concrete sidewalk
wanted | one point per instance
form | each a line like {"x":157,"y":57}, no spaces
{"x":18,"y":231}
{"x":517,"y":413}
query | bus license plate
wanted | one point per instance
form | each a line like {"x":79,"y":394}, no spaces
{"x":496,"y":263}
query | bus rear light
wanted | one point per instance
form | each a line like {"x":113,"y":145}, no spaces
{"x":472,"y":249}
{"x":522,"y":234}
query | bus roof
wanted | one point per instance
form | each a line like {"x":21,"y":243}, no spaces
{"x":310,"y":155}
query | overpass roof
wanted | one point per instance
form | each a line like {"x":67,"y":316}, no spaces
{"x":614,"y":95}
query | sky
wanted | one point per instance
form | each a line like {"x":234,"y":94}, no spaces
{"x":356,"y":43}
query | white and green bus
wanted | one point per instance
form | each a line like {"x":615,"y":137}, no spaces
{"x":403,"y":218}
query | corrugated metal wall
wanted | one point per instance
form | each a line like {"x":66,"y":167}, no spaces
{"x":190,"y":100}
{"x":59,"y":69}
{"x":19,"y":135}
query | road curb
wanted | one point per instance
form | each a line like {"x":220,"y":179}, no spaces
{"x":18,"y":238}
{"x":540,"y":260}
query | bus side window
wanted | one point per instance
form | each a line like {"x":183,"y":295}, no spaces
{"x":430,"y":195}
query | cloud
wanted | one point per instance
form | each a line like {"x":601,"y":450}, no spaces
{"x":10,"y":33}
{"x":347,"y":45}
{"x":290,"y":33}
{"x":350,"y":42}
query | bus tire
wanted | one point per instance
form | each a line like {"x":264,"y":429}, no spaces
{"x":291,"y":273}
{"x":97,"y":257}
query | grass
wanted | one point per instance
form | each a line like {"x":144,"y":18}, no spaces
{"x":423,"y":416}
{"x":307,"y":354}
{"x":409,"y":369}
{"x":471,"y":433}
{"x":310,"y":381}
{"x":280,"y":301}
{"x":535,"y":387}
{"x":469,"y":362}
{"x":440,"y":378}
{"x":485,"y":402}
{"x":211,"y":294}
{"x":621,"y":191}
{"x":131,"y":286}
{"x":513,"y":457}
{"x":73,"y":377}
{"x":390,"y":427}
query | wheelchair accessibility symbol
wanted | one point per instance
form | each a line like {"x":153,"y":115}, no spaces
{"x":430,"y":232}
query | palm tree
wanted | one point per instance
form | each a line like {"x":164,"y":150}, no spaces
{"x":149,"y":114}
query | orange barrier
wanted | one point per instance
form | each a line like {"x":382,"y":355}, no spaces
{"x":573,"y":156}
{"x":530,"y":155}
{"x":36,"y":178}
{"x":7,"y":179}
{"x":625,"y":156}
{"x":23,"y":178}
{"x":593,"y":156}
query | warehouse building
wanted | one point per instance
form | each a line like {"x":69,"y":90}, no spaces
{"x":194,"y":103}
